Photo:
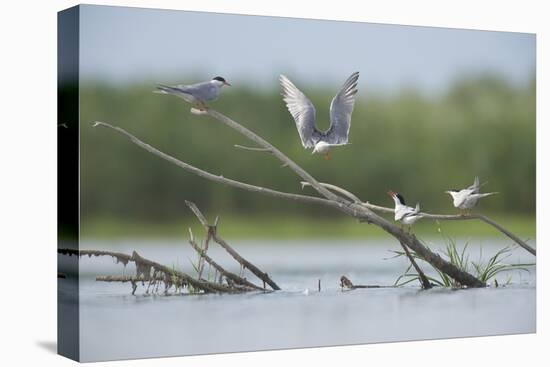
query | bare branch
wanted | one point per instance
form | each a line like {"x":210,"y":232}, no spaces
{"x":423,"y":279}
{"x":213,"y":177}
{"x":378,"y":208}
{"x":481,"y":217}
{"x":506,"y":232}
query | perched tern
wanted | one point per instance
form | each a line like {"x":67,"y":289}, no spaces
{"x":467,"y":198}
{"x":303,"y":112}
{"x":403,"y":213}
{"x":196,"y":94}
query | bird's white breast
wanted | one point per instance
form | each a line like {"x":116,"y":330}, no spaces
{"x":321,"y":147}
{"x":411,"y":219}
{"x":468,"y":203}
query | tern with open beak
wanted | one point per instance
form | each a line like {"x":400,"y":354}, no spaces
{"x":196,"y":94}
{"x":303,"y":112}
{"x":468,"y":198}
{"x":403,"y":213}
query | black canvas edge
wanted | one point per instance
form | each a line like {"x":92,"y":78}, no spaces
{"x":68,"y":45}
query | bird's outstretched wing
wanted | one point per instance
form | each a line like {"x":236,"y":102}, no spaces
{"x":302,"y":110}
{"x":341,"y":109}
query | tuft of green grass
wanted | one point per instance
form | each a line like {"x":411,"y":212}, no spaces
{"x":494,"y":266}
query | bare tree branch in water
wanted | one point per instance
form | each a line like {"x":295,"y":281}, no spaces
{"x":152,"y":274}
{"x":344,"y":203}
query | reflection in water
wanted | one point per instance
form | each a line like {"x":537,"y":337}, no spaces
{"x":116,"y":325}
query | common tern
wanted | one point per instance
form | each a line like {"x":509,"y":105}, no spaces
{"x":196,"y":94}
{"x":403,"y":213}
{"x":303,"y":112}
{"x":468,"y":198}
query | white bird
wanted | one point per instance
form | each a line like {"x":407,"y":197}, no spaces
{"x":403,"y":213}
{"x":196,"y":94}
{"x":303,"y":112}
{"x":468,"y":198}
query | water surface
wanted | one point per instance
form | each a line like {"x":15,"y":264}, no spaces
{"x":116,"y":325}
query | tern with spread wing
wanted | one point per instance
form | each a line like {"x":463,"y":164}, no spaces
{"x":303,"y":112}
{"x":403,"y":213}
{"x":468,"y":198}
{"x":196,"y":94}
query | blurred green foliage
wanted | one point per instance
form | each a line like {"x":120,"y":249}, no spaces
{"x":408,"y":142}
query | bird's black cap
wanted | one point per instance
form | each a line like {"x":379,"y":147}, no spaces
{"x":398,"y":196}
{"x":401,"y":198}
{"x":219,"y":78}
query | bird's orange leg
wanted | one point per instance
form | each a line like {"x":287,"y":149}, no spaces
{"x":327,"y":156}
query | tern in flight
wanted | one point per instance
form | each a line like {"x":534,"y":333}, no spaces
{"x":196,"y":94}
{"x":303,"y":112}
{"x":403,"y":213}
{"x":468,"y":198}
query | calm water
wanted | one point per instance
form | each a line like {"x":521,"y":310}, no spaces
{"x":116,"y":325}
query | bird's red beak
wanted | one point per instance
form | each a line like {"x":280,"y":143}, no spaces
{"x":226,"y":83}
{"x":391,"y":193}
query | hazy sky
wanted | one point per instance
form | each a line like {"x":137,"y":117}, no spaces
{"x":127,"y":44}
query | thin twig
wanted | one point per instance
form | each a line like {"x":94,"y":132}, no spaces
{"x":340,"y":190}
{"x":251,"y":148}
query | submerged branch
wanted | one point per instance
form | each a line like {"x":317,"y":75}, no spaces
{"x":149,"y":270}
{"x":345,"y":282}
